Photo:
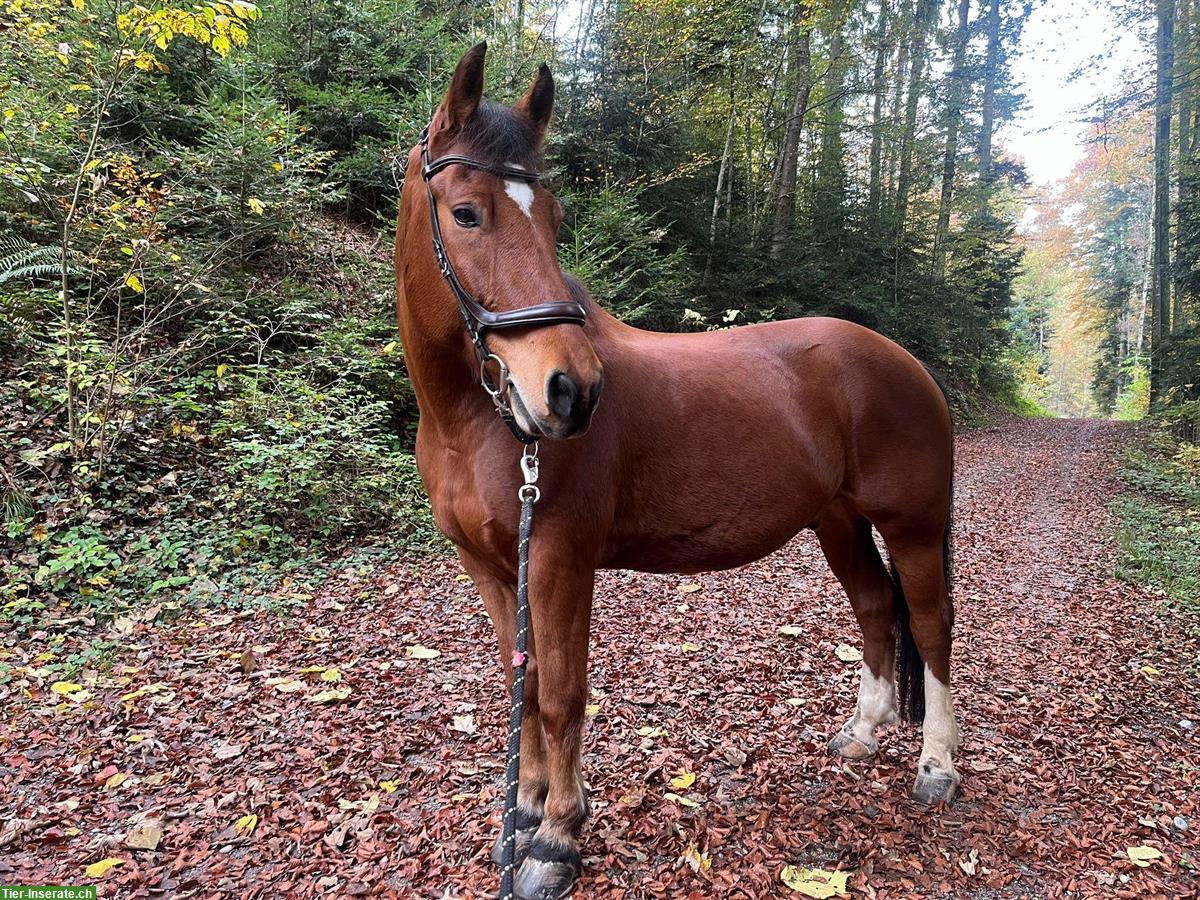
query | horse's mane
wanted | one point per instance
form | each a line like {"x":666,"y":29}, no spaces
{"x":497,"y":136}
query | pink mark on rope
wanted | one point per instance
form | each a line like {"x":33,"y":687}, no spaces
{"x":519,"y":659}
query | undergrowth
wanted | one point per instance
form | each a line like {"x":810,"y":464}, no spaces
{"x":1159,"y":532}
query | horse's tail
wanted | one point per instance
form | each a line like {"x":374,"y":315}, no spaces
{"x":910,"y":668}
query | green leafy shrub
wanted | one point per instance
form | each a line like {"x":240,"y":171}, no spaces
{"x":312,"y":461}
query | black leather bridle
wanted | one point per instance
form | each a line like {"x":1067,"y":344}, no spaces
{"x":479,"y":319}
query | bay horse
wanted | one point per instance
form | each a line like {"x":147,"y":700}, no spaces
{"x":710,"y":450}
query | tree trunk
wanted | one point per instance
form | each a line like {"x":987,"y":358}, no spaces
{"x":925,"y":11}
{"x":1160,"y":306}
{"x":785,"y":199}
{"x":1184,"y":252}
{"x":901,"y":77}
{"x":721,"y":177}
{"x":990,"y":71}
{"x":953,"y":121}
{"x":830,"y":188}
{"x":882,"y":52}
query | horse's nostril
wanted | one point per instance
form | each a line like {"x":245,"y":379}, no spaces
{"x":562,"y":393}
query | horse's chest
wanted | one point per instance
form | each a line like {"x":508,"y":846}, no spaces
{"x":461,"y":506}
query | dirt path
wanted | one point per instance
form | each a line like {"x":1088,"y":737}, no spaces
{"x":1073,"y":696}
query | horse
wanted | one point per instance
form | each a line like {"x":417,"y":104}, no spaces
{"x":710,"y":450}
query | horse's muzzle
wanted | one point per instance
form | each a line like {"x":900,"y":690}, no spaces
{"x":570,"y":405}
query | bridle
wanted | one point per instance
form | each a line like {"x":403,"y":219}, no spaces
{"x":478,"y":318}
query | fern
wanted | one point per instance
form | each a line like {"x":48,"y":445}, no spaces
{"x":21,"y":259}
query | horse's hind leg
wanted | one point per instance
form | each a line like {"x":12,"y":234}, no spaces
{"x":922,"y":566}
{"x":500,"y":600}
{"x":850,"y":549}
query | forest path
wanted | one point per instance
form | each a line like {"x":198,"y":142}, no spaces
{"x":1074,"y":697}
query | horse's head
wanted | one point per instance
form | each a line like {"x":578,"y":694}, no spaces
{"x":500,"y":236}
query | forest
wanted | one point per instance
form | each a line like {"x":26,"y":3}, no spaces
{"x":196,"y":205}
{"x":237,"y":654}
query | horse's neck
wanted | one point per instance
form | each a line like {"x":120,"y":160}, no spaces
{"x":441,"y":368}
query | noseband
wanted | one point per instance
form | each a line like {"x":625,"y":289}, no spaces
{"x":478,"y":319}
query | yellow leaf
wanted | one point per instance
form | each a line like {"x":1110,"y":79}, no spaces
{"x":1142,"y":856}
{"x":65,"y":687}
{"x":815,"y":882}
{"x":651,"y":731}
{"x":134,"y":283}
{"x":416,"y":651}
{"x":689,"y":588}
{"x":331,"y":696}
{"x":697,"y":860}
{"x":1151,"y":671}
{"x":100,"y":869}
{"x":592,"y":709}
{"x":683,"y":801}
{"x":115,"y":781}
{"x":791,"y":630}
{"x":278,"y":167}
{"x":286,"y":685}
{"x":389,"y":786}
{"x":846,"y":653}
{"x":683,"y":781}
{"x":689,"y":648}
{"x":256,"y":206}
{"x":388,"y":349}
{"x":331,"y":675}
{"x":222,"y":369}
{"x":244,"y":827}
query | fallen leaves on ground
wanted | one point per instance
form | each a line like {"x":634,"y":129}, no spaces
{"x":1072,"y":755}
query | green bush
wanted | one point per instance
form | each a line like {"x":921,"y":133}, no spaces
{"x":319,"y":462}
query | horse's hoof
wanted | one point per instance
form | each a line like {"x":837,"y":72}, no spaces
{"x":847,"y":746}
{"x":548,"y":873}
{"x":935,"y":787}
{"x":521,"y":850}
{"x":526,"y":827}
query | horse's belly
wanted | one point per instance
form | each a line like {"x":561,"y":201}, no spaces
{"x":720,"y":536}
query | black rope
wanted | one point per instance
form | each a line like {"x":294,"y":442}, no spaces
{"x":508,"y":835}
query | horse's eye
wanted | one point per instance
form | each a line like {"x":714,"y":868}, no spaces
{"x":465,"y":217}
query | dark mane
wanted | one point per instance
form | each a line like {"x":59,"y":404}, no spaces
{"x":497,"y":136}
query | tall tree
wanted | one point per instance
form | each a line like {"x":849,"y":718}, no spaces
{"x":991,"y":72}
{"x":1161,"y":309}
{"x":899,"y":79}
{"x":789,"y":159}
{"x":926,"y":11}
{"x":829,"y":195}
{"x":879,"y":91}
{"x":1185,"y":59}
{"x":953,"y":122}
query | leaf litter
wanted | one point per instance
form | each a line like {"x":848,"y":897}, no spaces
{"x":1077,"y":764}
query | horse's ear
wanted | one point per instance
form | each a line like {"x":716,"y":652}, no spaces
{"x":464,"y":94}
{"x":538,"y":102}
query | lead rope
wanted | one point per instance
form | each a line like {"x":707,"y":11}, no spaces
{"x":529,"y":494}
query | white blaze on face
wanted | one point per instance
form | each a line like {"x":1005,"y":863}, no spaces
{"x":940,"y":732}
{"x":521,"y":192}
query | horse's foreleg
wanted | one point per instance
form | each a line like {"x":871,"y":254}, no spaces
{"x":560,"y":608}
{"x":500,"y":600}
{"x":931,"y":615}
{"x":848,"y":546}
